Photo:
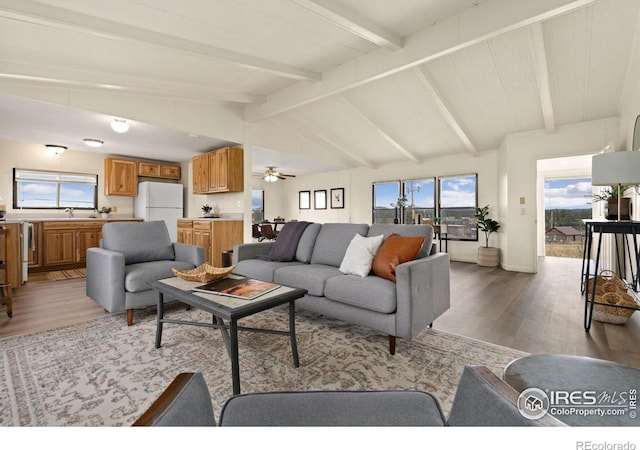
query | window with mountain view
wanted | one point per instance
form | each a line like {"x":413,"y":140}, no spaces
{"x":39,"y":189}
{"x":458,"y":201}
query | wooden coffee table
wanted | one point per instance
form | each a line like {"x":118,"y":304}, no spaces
{"x":229,"y":309}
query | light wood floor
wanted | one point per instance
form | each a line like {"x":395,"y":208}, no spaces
{"x":536,"y":313}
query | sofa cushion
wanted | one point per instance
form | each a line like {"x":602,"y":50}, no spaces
{"x":359,"y":255}
{"x":260,"y":270}
{"x":311,"y":277}
{"x":333,"y":240}
{"x":394,"y":251}
{"x":372,"y":292}
{"x":406,"y":230}
{"x":306,"y":243}
{"x":138,"y":241}
{"x":136,"y":276}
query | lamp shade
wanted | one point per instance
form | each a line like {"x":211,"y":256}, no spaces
{"x":613,"y":168}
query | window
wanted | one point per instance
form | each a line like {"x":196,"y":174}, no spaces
{"x":38,"y":189}
{"x":257,"y":205}
{"x":458,"y":201}
{"x":421,"y":199}
{"x":385,"y":197}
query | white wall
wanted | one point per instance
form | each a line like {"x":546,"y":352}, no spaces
{"x":358,"y":191}
{"x":35,"y":156}
{"x":519,"y":178}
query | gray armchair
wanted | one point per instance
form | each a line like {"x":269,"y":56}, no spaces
{"x":482,"y":399}
{"x":130,"y":255}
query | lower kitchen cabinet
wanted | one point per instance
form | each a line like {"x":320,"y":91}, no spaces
{"x":216,"y":236}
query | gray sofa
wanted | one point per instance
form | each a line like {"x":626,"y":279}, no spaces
{"x":130,"y":255}
{"x":401,"y":309}
{"x":482,"y":399}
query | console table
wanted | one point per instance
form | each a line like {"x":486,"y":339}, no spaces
{"x":628,"y":231}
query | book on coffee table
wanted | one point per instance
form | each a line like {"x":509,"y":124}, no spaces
{"x":245,"y":288}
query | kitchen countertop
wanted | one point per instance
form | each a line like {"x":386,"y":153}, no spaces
{"x":212,"y":218}
{"x":69,"y":219}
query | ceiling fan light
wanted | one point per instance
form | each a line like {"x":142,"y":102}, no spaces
{"x":57,"y":149}
{"x":119,"y":125}
{"x":270,"y":178}
{"x":93,"y":142}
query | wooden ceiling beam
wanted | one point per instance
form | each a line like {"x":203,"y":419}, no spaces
{"x":444,"y":110}
{"x":381,"y":132}
{"x":478,"y":24}
{"x":68,"y":76}
{"x":348,"y":21}
{"x":542,"y":76}
{"x":311,"y":134}
{"x":37,"y":13}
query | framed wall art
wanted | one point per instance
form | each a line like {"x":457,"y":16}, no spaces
{"x":337,"y":198}
{"x":304,"y":200}
{"x":320,"y":199}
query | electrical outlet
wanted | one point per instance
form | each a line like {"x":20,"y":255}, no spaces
{"x":114,"y":209}
{"x":238,"y":205}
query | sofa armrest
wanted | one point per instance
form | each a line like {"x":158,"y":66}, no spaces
{"x":105,"y":278}
{"x":423,"y":293}
{"x":250,"y":250}
{"x":193,"y":254}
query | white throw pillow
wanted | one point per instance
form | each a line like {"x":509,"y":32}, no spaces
{"x":359,"y":255}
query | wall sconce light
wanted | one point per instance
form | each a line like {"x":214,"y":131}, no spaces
{"x":57,"y":149}
{"x":119,"y":125}
{"x":93,"y":142}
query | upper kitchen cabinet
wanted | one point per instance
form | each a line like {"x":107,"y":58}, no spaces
{"x":158,"y":170}
{"x":120,"y":177}
{"x":218,"y":171}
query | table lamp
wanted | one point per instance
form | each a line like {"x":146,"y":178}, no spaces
{"x":616,"y":169}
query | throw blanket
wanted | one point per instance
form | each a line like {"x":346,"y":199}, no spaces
{"x":284,"y":249}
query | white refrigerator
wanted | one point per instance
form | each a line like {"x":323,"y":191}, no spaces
{"x":160,"y":201}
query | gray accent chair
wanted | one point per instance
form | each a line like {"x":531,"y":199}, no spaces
{"x":130,"y":255}
{"x":482,"y":399}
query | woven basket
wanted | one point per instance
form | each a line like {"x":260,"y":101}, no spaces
{"x":607,"y":281}
{"x":610,"y":289}
{"x":203,"y":273}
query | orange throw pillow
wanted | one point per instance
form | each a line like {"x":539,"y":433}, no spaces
{"x":394,"y":251}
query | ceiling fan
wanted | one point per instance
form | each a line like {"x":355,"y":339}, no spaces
{"x":272,"y":175}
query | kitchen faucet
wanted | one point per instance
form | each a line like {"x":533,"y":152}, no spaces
{"x":70,"y":211}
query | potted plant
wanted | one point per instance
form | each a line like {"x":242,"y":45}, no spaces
{"x":104,"y":211}
{"x":610,"y":194}
{"x":206,"y":209}
{"x":487,"y":256}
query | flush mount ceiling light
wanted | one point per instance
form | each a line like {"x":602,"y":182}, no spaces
{"x":119,"y":125}
{"x":57,"y":149}
{"x":93,"y":142}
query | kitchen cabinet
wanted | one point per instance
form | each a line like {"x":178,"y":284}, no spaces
{"x":215,"y":236}
{"x":218,"y":171}
{"x":64,"y":243}
{"x":15,"y":277}
{"x":158,"y":170}
{"x":170,"y":171}
{"x":201,"y":174}
{"x":120,"y":177}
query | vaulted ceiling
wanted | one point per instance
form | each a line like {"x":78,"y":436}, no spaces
{"x":366,"y":83}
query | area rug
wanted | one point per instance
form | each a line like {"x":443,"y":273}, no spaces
{"x":103,"y":373}
{"x":66,"y":274}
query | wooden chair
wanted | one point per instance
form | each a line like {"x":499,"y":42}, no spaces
{"x":255,"y":232}
{"x":5,"y":269}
